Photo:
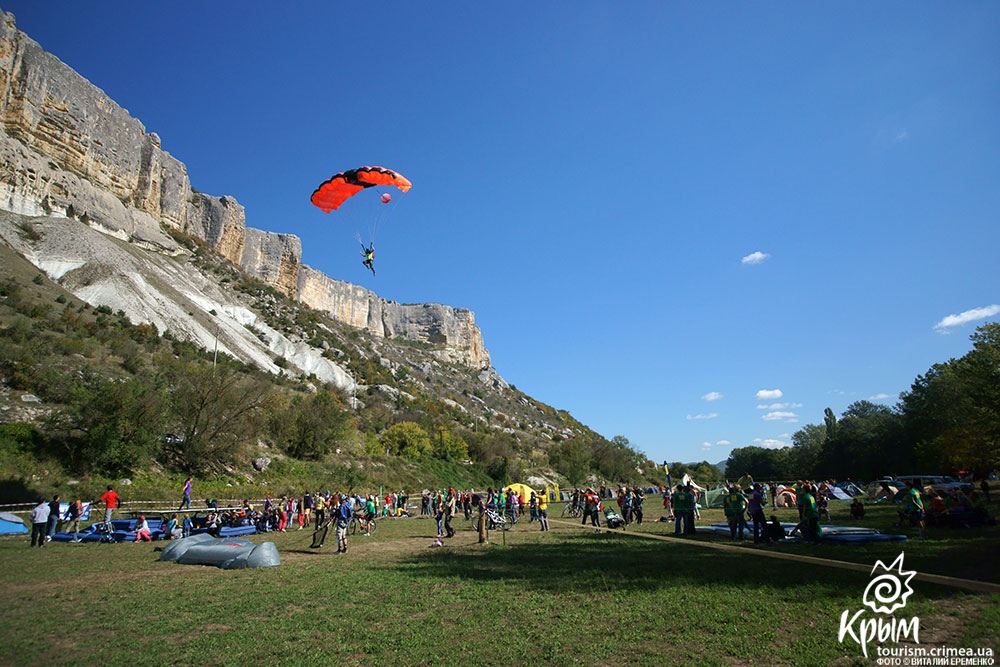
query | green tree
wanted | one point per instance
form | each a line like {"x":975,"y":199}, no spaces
{"x":615,"y":459}
{"x":449,"y":446}
{"x":315,"y":426}
{"x":571,"y":458}
{"x":803,"y":457}
{"x":110,"y":425}
{"x":217,"y":410}
{"x":830,"y":420}
{"x":762,"y":463}
{"x":407,"y":439}
{"x":867,"y":443}
{"x":953,"y":411}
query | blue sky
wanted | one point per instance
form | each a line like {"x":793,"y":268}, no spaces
{"x":695,"y":225}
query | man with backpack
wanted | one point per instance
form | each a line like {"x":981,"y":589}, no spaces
{"x":344,"y":514}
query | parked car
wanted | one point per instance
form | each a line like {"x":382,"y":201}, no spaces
{"x":937,"y":483}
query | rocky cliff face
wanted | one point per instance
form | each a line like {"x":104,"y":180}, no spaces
{"x":451,"y":330}
{"x":69,"y":151}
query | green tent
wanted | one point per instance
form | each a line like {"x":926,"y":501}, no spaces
{"x":713,"y":498}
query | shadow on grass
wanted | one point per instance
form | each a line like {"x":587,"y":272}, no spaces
{"x":580,"y":563}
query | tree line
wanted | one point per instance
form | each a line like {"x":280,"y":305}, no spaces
{"x":948,"y":422}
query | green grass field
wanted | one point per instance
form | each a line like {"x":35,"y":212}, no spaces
{"x":566,"y":597}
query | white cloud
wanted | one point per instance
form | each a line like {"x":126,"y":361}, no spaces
{"x":966,"y":317}
{"x":779,"y":416}
{"x":902,"y":135}
{"x":756,"y":258}
{"x":779,"y":406}
{"x":879,"y":397}
{"x":711,"y":396}
{"x":710,"y":415}
{"x":706,"y":446}
{"x":771,"y":443}
{"x":768,"y":394}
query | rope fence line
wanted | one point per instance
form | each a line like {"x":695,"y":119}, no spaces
{"x":942,"y":580}
{"x":125,"y":506}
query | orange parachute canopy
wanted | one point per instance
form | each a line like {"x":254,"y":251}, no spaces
{"x":334,"y":191}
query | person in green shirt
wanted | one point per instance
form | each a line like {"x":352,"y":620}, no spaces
{"x":371,"y":511}
{"x":734,"y":504}
{"x":684,"y":501}
{"x":913,"y":505}
{"x":810,"y":513}
{"x":369,"y":256}
{"x":681,"y":500}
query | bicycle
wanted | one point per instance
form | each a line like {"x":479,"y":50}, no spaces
{"x":572,"y":511}
{"x":496,"y":520}
{"x":369,"y":526}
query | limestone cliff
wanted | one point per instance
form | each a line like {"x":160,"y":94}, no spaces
{"x":451,"y":330}
{"x":68,"y":150}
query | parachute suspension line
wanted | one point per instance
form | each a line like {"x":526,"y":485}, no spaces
{"x":380,"y":208}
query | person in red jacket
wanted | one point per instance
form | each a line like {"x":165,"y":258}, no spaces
{"x":110,"y":500}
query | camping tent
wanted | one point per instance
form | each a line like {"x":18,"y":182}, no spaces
{"x":521,"y":490}
{"x":713,"y":498}
{"x":694,"y":485}
{"x":851,"y":488}
{"x":11,"y":524}
{"x":839,"y":493}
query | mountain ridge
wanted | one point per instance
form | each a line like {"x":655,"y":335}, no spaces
{"x":69,"y":151}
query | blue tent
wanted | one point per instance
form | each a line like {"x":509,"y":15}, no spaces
{"x":11,"y":524}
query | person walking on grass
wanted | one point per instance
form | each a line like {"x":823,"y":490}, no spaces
{"x":734,"y":505}
{"x":55,"y":510}
{"x":319,"y":508}
{"x":186,"y":498}
{"x":344,"y":514}
{"x":73,"y":517}
{"x":543,"y":510}
{"x":449,"y":512}
{"x":679,"y":501}
{"x":913,"y":505}
{"x":756,"y":510}
{"x":638,"y":498}
{"x":39,"y":523}
{"x":810,"y":514}
{"x":592,"y":509}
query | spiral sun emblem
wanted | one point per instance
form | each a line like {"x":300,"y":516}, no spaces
{"x":888,"y":591}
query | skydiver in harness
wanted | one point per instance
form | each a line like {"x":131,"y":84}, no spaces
{"x":369,"y":254}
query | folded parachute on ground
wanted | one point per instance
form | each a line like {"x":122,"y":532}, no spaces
{"x":334,"y":191}
{"x":229,"y":553}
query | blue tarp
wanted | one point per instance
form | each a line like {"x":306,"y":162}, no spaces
{"x":839,"y":534}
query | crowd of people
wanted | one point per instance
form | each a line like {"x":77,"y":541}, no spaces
{"x":744,"y":505}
